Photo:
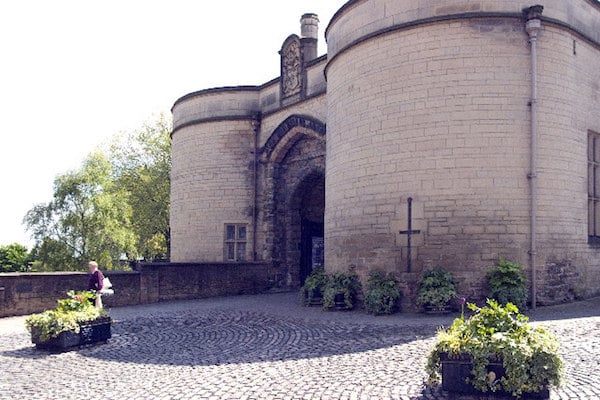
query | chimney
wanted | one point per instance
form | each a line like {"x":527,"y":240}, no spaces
{"x":309,"y":32}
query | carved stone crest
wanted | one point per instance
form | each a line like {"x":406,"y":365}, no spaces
{"x":291,"y":67}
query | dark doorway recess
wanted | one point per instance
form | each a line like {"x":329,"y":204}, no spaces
{"x":311,"y":247}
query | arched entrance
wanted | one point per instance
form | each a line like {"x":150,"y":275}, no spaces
{"x":294,"y":196}
{"x":302,"y":217}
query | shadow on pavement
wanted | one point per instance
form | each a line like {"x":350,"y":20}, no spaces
{"x":218,"y":336}
{"x":579,"y":309}
{"x":202,"y":338}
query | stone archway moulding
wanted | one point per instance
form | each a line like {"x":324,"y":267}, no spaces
{"x":288,"y":133}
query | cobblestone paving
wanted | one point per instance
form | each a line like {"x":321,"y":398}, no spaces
{"x":266,"y":347}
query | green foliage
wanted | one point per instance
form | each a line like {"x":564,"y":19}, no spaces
{"x":14,"y":258}
{"x":88,"y":215}
{"x":53,"y":255}
{"x":66,"y":316}
{"x":77,"y":301}
{"x":341,"y":283}
{"x":383,"y":294}
{"x":314,"y":286}
{"x":142,"y":165}
{"x":507,"y":282}
{"x":437,"y":288}
{"x":529,"y":355}
{"x":116,"y":203}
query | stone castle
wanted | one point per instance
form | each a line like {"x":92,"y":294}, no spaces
{"x":480,"y":116}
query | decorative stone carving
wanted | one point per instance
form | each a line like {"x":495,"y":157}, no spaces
{"x":291,"y":67}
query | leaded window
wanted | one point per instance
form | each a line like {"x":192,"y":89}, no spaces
{"x":235,"y":242}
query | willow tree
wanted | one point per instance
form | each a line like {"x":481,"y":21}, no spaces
{"x":88,"y":218}
{"x":115,"y":206}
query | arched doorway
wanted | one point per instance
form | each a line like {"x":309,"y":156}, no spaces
{"x":294,"y":198}
{"x":302,"y":223}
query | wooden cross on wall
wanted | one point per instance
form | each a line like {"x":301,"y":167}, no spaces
{"x":409,"y":232}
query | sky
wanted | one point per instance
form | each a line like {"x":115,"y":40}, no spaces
{"x":73,"y":74}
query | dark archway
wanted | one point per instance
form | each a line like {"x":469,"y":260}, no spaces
{"x":294,"y":198}
{"x":312,"y":211}
{"x":304,"y":226}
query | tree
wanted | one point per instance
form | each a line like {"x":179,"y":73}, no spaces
{"x":142,"y":167}
{"x":53,"y":255}
{"x":88,"y":218}
{"x":116,"y":204}
{"x":14,"y":258}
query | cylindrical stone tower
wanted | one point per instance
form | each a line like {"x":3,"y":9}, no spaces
{"x":212,"y":175}
{"x":431,"y":101}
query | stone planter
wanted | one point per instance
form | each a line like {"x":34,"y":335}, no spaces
{"x":89,"y":332}
{"x":455,"y":371}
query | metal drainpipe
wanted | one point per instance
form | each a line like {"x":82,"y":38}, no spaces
{"x":256,"y":124}
{"x":533,"y":27}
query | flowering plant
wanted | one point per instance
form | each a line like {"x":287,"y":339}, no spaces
{"x":496,"y":333}
{"x":77,"y":301}
{"x":67,"y":316}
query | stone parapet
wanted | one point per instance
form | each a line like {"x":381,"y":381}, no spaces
{"x":26,"y":293}
{"x":216,"y":104}
{"x":244,"y":102}
{"x":358,"y":20}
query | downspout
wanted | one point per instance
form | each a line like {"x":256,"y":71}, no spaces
{"x":533,"y":27}
{"x":256,"y":124}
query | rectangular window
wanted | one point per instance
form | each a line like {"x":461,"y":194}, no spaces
{"x":235,"y":243}
{"x":594,"y":187}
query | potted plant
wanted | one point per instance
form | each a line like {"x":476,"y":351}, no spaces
{"x":313,"y":288}
{"x":75,"y":321}
{"x":436,"y":289}
{"x":496,"y":350}
{"x":341,"y":291}
{"x":383,"y":294}
{"x":506,"y":282}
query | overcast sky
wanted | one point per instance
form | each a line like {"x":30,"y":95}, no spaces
{"x":75,"y":73}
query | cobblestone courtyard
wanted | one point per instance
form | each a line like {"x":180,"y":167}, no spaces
{"x":266,"y":347}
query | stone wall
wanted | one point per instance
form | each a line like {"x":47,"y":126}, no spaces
{"x":211,"y":185}
{"x":431,"y":103}
{"x":427,"y":100}
{"x":437,"y":121}
{"x":26,"y":293}
{"x":569,"y":99}
{"x":358,"y":19}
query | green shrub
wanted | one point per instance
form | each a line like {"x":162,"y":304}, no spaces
{"x":495,"y":333}
{"x":506,"y":282}
{"x":66,"y":316}
{"x":436,"y":289}
{"x":314,"y":286}
{"x":383,"y":294}
{"x":341,"y":283}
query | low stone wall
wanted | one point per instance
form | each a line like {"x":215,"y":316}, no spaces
{"x":26,"y":293}
{"x":181,"y":281}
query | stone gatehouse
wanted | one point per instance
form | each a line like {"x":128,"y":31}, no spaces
{"x":486,"y":114}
